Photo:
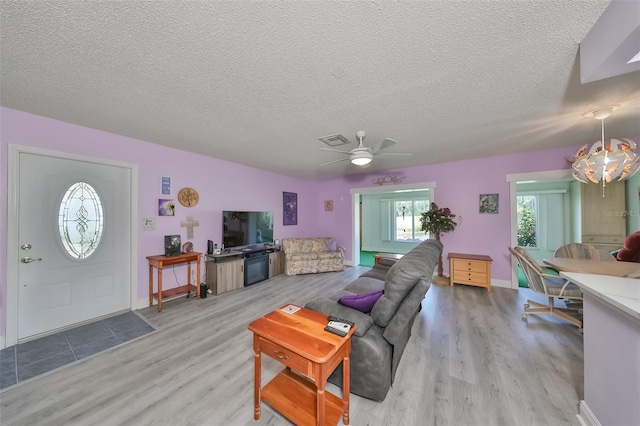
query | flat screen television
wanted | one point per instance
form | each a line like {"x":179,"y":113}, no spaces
{"x":245,"y":229}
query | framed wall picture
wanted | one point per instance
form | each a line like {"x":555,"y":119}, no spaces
{"x":489,"y":203}
{"x":165,"y":183}
{"x":171,"y":245}
{"x":166,"y":207}
{"x":289,"y":208}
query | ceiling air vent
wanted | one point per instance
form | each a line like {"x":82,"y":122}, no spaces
{"x":335,"y":140}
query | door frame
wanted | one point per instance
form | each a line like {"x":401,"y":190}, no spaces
{"x":13,"y":180}
{"x":513,"y":180}
{"x":356,"y":217}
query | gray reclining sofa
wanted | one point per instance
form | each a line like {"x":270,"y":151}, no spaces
{"x":381,"y":336}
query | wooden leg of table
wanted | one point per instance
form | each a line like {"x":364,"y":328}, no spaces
{"x":150,"y":285}
{"x":198,"y":281}
{"x":256,"y":386}
{"x":188,"y":276}
{"x":159,"y":289}
{"x":320,"y":403}
{"x":346,"y":375}
{"x":450,"y":272}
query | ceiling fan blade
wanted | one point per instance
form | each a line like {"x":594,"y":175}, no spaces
{"x":332,"y":162}
{"x":336,"y":150}
{"x":391,"y":153}
{"x":383,"y":144}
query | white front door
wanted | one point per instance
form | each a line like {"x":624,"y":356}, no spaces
{"x":54,"y":288}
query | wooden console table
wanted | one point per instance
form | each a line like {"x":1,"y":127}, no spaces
{"x":470,"y":269}
{"x":300,"y":342}
{"x":160,"y":262}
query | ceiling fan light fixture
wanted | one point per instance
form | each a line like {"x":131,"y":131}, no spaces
{"x":361,"y":155}
{"x":361,"y":158}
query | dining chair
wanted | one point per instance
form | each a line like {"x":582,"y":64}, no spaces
{"x":552,"y":286}
{"x":583,"y":251}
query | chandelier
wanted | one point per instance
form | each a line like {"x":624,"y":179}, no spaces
{"x":605,"y":161}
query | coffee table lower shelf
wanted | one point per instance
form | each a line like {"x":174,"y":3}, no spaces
{"x":294,"y":397}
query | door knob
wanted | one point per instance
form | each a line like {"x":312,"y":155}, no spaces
{"x":30,"y":259}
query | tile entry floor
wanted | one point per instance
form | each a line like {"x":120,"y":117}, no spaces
{"x":26,"y":360}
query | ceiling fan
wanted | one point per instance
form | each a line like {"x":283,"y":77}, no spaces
{"x":362,"y":155}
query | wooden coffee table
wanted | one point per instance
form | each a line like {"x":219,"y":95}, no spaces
{"x":300,"y":342}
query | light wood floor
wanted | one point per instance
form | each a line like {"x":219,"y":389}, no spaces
{"x":471,"y":361}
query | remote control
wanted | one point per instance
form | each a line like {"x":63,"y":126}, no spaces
{"x":340,"y":326}
{"x":335,"y":331}
{"x":336,"y":319}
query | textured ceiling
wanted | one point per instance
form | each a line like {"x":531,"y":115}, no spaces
{"x":258,"y":83}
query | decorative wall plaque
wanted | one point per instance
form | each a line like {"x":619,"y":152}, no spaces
{"x":188,"y":197}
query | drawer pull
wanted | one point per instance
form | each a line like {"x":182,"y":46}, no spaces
{"x":280,"y":355}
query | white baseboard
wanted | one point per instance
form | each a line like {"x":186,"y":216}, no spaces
{"x":500,"y":283}
{"x":586,"y":416}
{"x":144,"y":303}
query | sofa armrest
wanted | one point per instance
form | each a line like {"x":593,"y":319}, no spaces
{"x":326,"y":306}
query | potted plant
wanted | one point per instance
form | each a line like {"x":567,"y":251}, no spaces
{"x":438,"y":221}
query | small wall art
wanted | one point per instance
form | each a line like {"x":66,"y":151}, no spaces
{"x":166,"y":207}
{"x":489,"y":203}
{"x":149,"y":224}
{"x":388,"y":179}
{"x":190,"y":223}
{"x":165,"y":183}
{"x":328,"y":205}
{"x":289,"y":208}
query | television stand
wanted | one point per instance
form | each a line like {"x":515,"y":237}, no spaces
{"x":237,"y":269}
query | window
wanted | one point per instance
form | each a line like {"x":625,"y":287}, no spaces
{"x":81,"y":220}
{"x":407,"y":220}
{"x":527,"y":220}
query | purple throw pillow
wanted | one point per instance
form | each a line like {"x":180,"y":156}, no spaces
{"x":363,"y":302}
{"x":332,"y":245}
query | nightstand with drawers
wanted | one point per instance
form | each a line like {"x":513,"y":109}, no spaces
{"x":470,"y":269}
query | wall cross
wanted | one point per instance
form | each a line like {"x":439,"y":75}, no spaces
{"x":189,"y":224}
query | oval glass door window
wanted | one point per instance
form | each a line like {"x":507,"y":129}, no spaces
{"x":81,"y":220}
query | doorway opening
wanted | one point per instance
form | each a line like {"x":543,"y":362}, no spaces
{"x":383,"y":198}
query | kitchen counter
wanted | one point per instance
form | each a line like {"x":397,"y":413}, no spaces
{"x":622,"y":293}
{"x":611,"y":349}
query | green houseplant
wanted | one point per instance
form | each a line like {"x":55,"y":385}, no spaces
{"x":437,"y":221}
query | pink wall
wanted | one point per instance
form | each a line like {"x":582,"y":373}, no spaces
{"x":224,"y":185}
{"x":458,"y":185}
{"x":611,"y":367}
